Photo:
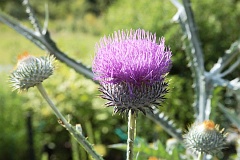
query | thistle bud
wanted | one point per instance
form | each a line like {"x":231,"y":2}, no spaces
{"x":31,"y":71}
{"x":205,"y":138}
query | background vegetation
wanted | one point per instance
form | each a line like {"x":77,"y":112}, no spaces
{"x":76,"y":26}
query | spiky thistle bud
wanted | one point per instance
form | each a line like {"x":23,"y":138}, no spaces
{"x":131,"y":67}
{"x":206,"y":138}
{"x":31,"y":71}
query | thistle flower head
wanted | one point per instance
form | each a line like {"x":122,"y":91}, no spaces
{"x":131,"y":67}
{"x":206,"y":137}
{"x":131,"y":56}
{"x":31,"y":71}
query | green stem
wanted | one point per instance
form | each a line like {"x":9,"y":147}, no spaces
{"x":76,"y":134}
{"x":131,"y":134}
{"x":200,"y":156}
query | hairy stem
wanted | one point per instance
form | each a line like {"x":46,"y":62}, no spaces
{"x":131,"y":134}
{"x":76,"y":134}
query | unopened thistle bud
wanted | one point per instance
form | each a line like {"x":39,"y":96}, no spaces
{"x":31,"y":71}
{"x":206,"y":138}
{"x":131,"y":67}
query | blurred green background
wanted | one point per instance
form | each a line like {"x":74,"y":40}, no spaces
{"x":76,"y":26}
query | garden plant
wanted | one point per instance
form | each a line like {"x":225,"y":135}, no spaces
{"x":132,"y":68}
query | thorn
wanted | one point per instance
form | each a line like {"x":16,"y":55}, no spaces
{"x":79,"y":128}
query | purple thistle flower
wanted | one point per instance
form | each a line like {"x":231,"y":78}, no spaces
{"x":131,"y":67}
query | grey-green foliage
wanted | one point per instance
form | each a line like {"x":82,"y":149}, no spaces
{"x":233,"y":117}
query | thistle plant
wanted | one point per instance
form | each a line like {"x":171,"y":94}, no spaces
{"x":131,"y":67}
{"x":31,"y":71}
